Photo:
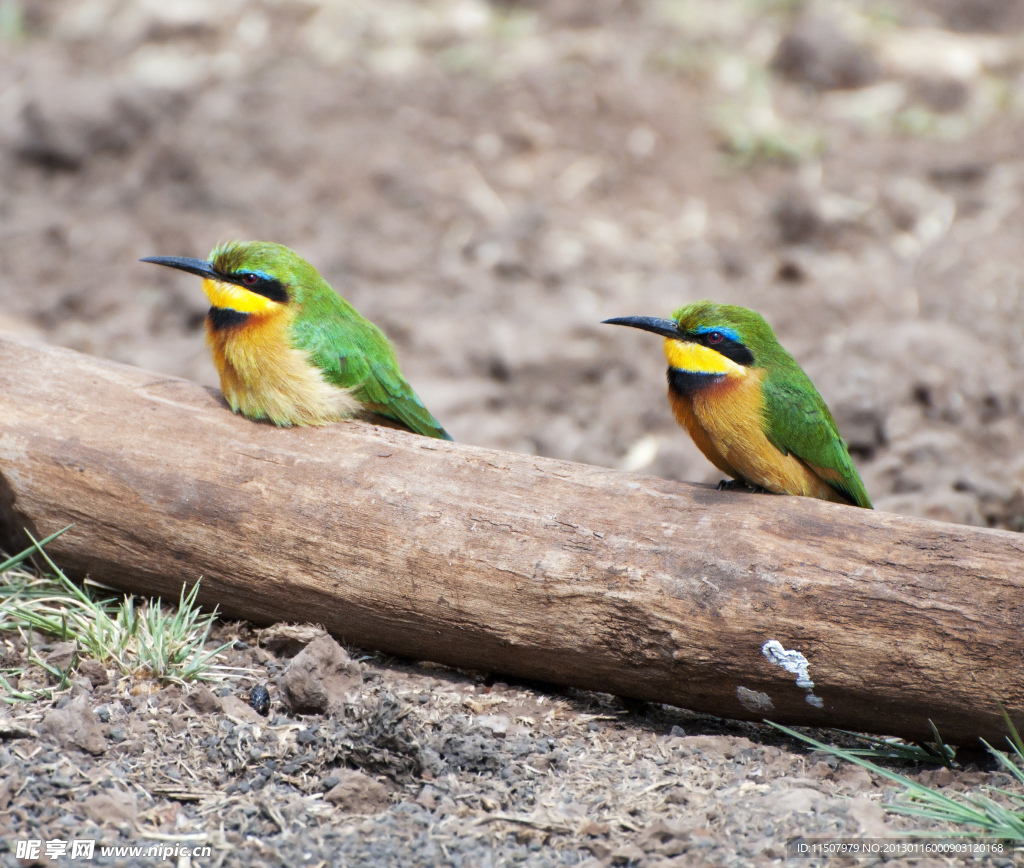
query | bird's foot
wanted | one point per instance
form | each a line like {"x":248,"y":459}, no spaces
{"x":739,"y":485}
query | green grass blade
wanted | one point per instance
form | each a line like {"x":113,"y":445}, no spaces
{"x":31,"y":550}
{"x":1014,"y":737}
{"x":945,"y":754}
{"x":887,"y":748}
{"x":989,"y":817}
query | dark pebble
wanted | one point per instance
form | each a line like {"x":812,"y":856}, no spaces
{"x":259,"y":700}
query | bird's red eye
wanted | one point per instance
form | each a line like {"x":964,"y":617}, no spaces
{"x":714,"y":337}
{"x":250,"y":279}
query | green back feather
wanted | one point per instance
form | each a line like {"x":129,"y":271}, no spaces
{"x":798,"y":422}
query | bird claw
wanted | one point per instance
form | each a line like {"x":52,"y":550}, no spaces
{"x":738,"y":485}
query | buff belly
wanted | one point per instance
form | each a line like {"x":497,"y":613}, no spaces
{"x":263,"y":377}
{"x":725,"y":421}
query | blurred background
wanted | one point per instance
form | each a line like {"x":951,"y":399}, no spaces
{"x":489,"y":180}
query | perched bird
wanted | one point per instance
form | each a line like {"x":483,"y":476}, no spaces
{"x":748,"y":406}
{"x":290,"y":349}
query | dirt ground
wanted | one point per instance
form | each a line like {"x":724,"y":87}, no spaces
{"x":376,"y":762}
{"x":487,"y":182}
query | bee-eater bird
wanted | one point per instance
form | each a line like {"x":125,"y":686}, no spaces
{"x":289,"y":349}
{"x":748,"y":406}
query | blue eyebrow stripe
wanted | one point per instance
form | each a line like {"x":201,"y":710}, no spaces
{"x":728,"y":332}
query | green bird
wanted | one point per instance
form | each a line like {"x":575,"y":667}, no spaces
{"x":289,"y":349}
{"x":748,"y":406}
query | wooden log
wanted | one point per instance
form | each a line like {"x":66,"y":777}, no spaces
{"x":721,"y":602}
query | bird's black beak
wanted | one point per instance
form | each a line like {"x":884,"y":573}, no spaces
{"x":664,"y":327}
{"x":183,"y":263}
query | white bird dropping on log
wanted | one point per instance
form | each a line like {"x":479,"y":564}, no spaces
{"x":794,"y":663}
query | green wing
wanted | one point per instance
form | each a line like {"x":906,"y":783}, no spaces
{"x":798,"y":422}
{"x":354,"y":354}
{"x":387,"y":394}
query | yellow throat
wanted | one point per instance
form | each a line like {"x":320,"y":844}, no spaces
{"x":698,"y":359}
{"x":231,"y":297}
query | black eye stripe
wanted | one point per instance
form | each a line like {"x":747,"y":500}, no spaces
{"x":729,"y":348}
{"x":265,"y":286}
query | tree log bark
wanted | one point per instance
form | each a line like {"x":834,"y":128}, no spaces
{"x":528,"y":566}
